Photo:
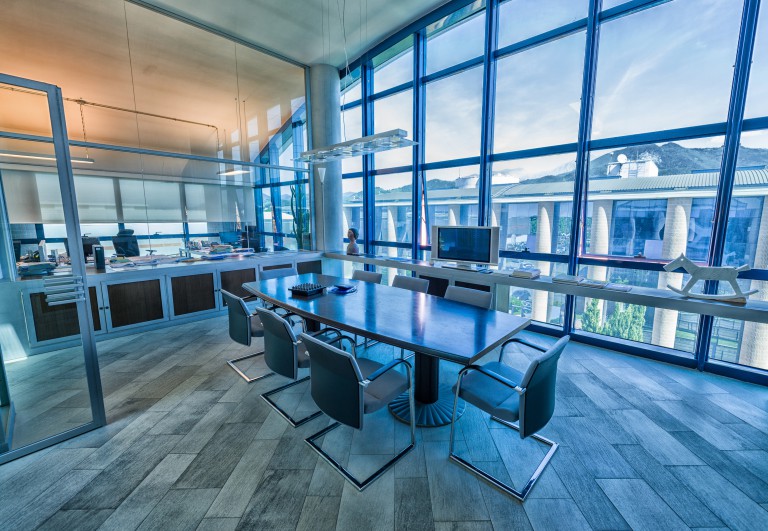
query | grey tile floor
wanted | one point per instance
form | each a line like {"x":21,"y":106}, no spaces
{"x":190,"y":445}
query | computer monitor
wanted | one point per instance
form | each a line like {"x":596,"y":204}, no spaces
{"x":466,"y":246}
{"x":88,"y":243}
{"x":230,"y":237}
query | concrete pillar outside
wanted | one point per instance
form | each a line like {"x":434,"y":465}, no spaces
{"x":391,"y":231}
{"x":454,"y":215}
{"x":675,"y":242}
{"x":600,"y":239}
{"x":495,"y":214}
{"x":546,"y":218}
{"x":324,"y":99}
{"x":346,"y":214}
{"x":754,"y":337}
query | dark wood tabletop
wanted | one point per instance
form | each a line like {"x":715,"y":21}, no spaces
{"x":415,"y":321}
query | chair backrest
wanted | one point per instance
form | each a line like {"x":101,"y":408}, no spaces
{"x":537,"y":404}
{"x":420,"y":285}
{"x":335,"y":382}
{"x":280,"y":344}
{"x":278,"y":273}
{"x":475,"y":297}
{"x":239,"y":318}
{"x":366,"y":276}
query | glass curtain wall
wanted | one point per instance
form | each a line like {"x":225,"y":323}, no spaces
{"x":604,"y":159}
{"x":190,"y":105}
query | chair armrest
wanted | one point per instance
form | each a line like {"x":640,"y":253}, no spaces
{"x":342,"y":338}
{"x":499,"y":378}
{"x":389,"y":366}
{"x":288,"y":317}
{"x":522,"y":342}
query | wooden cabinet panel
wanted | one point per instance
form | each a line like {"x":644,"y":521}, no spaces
{"x":437,"y":285}
{"x":315,"y":266}
{"x":193,"y":293}
{"x":232,"y":281}
{"x":53,"y":322}
{"x":56,"y":322}
{"x":95,"y":313}
{"x":479,"y":287}
{"x":135,"y":302}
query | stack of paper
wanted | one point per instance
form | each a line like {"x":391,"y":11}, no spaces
{"x":567,"y":279}
{"x":618,"y":287}
{"x":589,"y":283}
{"x":527,"y":272}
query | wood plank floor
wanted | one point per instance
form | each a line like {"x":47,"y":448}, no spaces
{"x":190,"y":445}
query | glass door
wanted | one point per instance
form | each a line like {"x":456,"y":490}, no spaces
{"x":50,"y":388}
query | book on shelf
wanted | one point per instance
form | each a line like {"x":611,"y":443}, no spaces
{"x":567,"y":279}
{"x":617,"y":287}
{"x":590,"y":283}
{"x":528,"y":272}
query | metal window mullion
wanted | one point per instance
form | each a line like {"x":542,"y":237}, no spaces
{"x":580,"y":184}
{"x":419,"y":130}
{"x":724,"y":196}
{"x":487,"y":116}
{"x":369,"y":197}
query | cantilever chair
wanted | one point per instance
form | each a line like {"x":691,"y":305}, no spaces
{"x":346,"y":389}
{"x":366,"y":276}
{"x":285,"y":355}
{"x":420,"y":285}
{"x":243,"y":326}
{"x":373,"y":278}
{"x":475,"y":297}
{"x":511,"y":396}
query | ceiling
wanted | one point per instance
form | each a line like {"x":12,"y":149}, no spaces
{"x":307,"y":31}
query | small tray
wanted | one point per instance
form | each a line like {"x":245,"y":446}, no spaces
{"x":307,"y":290}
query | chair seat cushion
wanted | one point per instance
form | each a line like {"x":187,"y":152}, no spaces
{"x":490,"y":395}
{"x":303,"y":356}
{"x":383,"y":389}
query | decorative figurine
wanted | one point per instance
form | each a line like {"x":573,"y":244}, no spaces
{"x":722,"y":274}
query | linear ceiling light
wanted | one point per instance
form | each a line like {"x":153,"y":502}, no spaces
{"x":361,"y":146}
{"x":232,"y":172}
{"x":41,"y":156}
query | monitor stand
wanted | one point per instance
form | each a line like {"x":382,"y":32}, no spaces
{"x":465,"y":267}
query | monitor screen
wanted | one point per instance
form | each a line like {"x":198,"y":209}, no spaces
{"x":466,"y":244}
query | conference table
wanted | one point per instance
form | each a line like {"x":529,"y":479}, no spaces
{"x":432,"y":327}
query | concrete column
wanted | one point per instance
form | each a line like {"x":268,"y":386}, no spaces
{"x":600,"y":239}
{"x":675,"y":242}
{"x":454,"y":214}
{"x":546,"y":218}
{"x":754,"y":337}
{"x":346,"y":213}
{"x":391,"y":234}
{"x":495,"y":215}
{"x":324,"y":99}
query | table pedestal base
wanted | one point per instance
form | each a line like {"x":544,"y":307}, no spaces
{"x":428,"y":415}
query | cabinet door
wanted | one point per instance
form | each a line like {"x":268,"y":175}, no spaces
{"x":133,"y":303}
{"x":193,"y":294}
{"x":59,"y":321}
{"x":232,"y":281}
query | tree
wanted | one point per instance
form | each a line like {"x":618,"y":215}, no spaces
{"x":626,"y":322}
{"x":590,"y":319}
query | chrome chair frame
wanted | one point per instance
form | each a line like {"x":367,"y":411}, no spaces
{"x":233,"y":362}
{"x":268,"y":395}
{"x":360,"y":485}
{"x":518,"y":494}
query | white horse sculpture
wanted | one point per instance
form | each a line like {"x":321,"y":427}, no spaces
{"x":723,"y":274}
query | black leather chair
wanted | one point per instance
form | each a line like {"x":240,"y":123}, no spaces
{"x":126,"y":243}
{"x":510,"y":396}
{"x":346,"y":389}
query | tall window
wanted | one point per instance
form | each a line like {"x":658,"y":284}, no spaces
{"x":609,"y":180}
